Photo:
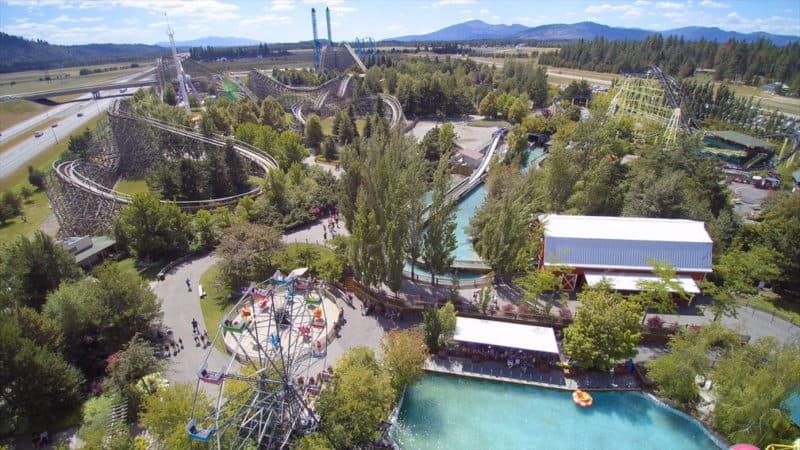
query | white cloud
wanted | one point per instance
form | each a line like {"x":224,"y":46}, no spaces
{"x":713,"y":4}
{"x":453,"y":2}
{"x":65,"y":18}
{"x":625,"y":9}
{"x":272,"y":19}
{"x":495,"y":18}
{"x":670,"y":5}
{"x":466,"y":11}
{"x":343,"y":9}
{"x":641,"y":2}
{"x":281,"y":5}
{"x":484,"y":12}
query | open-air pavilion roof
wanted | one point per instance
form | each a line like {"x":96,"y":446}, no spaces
{"x":503,"y":334}
{"x":630,"y":281}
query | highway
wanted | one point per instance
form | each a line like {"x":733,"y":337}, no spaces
{"x":68,"y":121}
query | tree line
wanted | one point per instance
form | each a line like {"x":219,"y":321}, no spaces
{"x":752,"y":63}
{"x":17,"y":54}
{"x":210,"y":53}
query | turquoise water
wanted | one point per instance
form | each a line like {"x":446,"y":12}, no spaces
{"x":467,"y":207}
{"x":450,"y":412}
{"x":531,"y":155}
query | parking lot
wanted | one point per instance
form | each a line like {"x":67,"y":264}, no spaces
{"x":747,"y":199}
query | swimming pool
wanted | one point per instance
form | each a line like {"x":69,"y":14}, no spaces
{"x":445,"y":411}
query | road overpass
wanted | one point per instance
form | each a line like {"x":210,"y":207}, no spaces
{"x":44,"y":96}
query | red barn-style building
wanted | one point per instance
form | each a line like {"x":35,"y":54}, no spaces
{"x":617,"y":249}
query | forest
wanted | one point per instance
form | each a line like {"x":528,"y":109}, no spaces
{"x":17,"y":54}
{"x":253,"y":51}
{"x":751,"y":63}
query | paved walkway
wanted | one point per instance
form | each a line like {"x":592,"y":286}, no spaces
{"x":180,"y":306}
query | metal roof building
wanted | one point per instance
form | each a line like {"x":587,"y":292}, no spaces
{"x":619,"y":247}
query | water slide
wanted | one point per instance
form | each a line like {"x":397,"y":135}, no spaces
{"x":355,"y":57}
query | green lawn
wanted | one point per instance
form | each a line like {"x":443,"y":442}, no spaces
{"x":132,"y":186}
{"x":327,"y":125}
{"x":34,"y":209}
{"x":149,"y":272}
{"x":215,"y":304}
{"x":488,"y":123}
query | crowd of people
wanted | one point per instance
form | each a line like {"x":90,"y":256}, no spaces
{"x":523,"y":359}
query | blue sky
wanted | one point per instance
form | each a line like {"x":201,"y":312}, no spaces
{"x":143,"y":21}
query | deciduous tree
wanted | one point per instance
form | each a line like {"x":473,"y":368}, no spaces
{"x":403,"y":356}
{"x":357,"y":399}
{"x":605,"y":330}
{"x":313,"y":131}
{"x":29,"y":269}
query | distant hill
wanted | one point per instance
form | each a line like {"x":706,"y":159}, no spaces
{"x":213,"y":41}
{"x":477,"y":29}
{"x":581,"y":30}
{"x":473,"y":29}
{"x":18,"y":54}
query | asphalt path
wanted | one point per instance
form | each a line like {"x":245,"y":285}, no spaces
{"x":68,"y":121}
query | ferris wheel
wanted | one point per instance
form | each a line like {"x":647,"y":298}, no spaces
{"x":278,"y":333}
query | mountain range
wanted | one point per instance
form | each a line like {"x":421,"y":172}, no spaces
{"x":213,"y":41}
{"x":478,"y":29}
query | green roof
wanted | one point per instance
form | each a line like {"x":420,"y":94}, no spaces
{"x":99,"y":243}
{"x":742,"y":139}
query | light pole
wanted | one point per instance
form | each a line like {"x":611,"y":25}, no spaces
{"x":52,"y":129}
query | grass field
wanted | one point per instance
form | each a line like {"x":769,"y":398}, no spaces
{"x":488,"y":123}
{"x":35,"y":209}
{"x":327,"y":125}
{"x":16,"y":111}
{"x":215,"y":304}
{"x":149,"y":272}
{"x":769,"y":101}
{"x":22,"y":82}
{"x":295,"y":60}
{"x":132,"y":186}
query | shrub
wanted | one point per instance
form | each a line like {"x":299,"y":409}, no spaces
{"x":565,"y":313}
{"x":655,"y":323}
{"x":508,"y":307}
{"x":522,"y":309}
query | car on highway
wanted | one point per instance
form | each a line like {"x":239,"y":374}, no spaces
{"x":80,"y":114}
{"x":38,"y":134}
{"x":53,"y":125}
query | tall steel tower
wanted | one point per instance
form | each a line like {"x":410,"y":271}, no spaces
{"x":316,"y":40}
{"x":328,"y":19}
{"x":178,"y":67}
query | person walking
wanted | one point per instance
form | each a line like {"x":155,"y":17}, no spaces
{"x":189,"y":285}
{"x":196,"y":337}
{"x":194,"y":324}
{"x":180,"y":342}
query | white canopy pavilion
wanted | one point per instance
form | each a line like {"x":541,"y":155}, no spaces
{"x":503,"y":334}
